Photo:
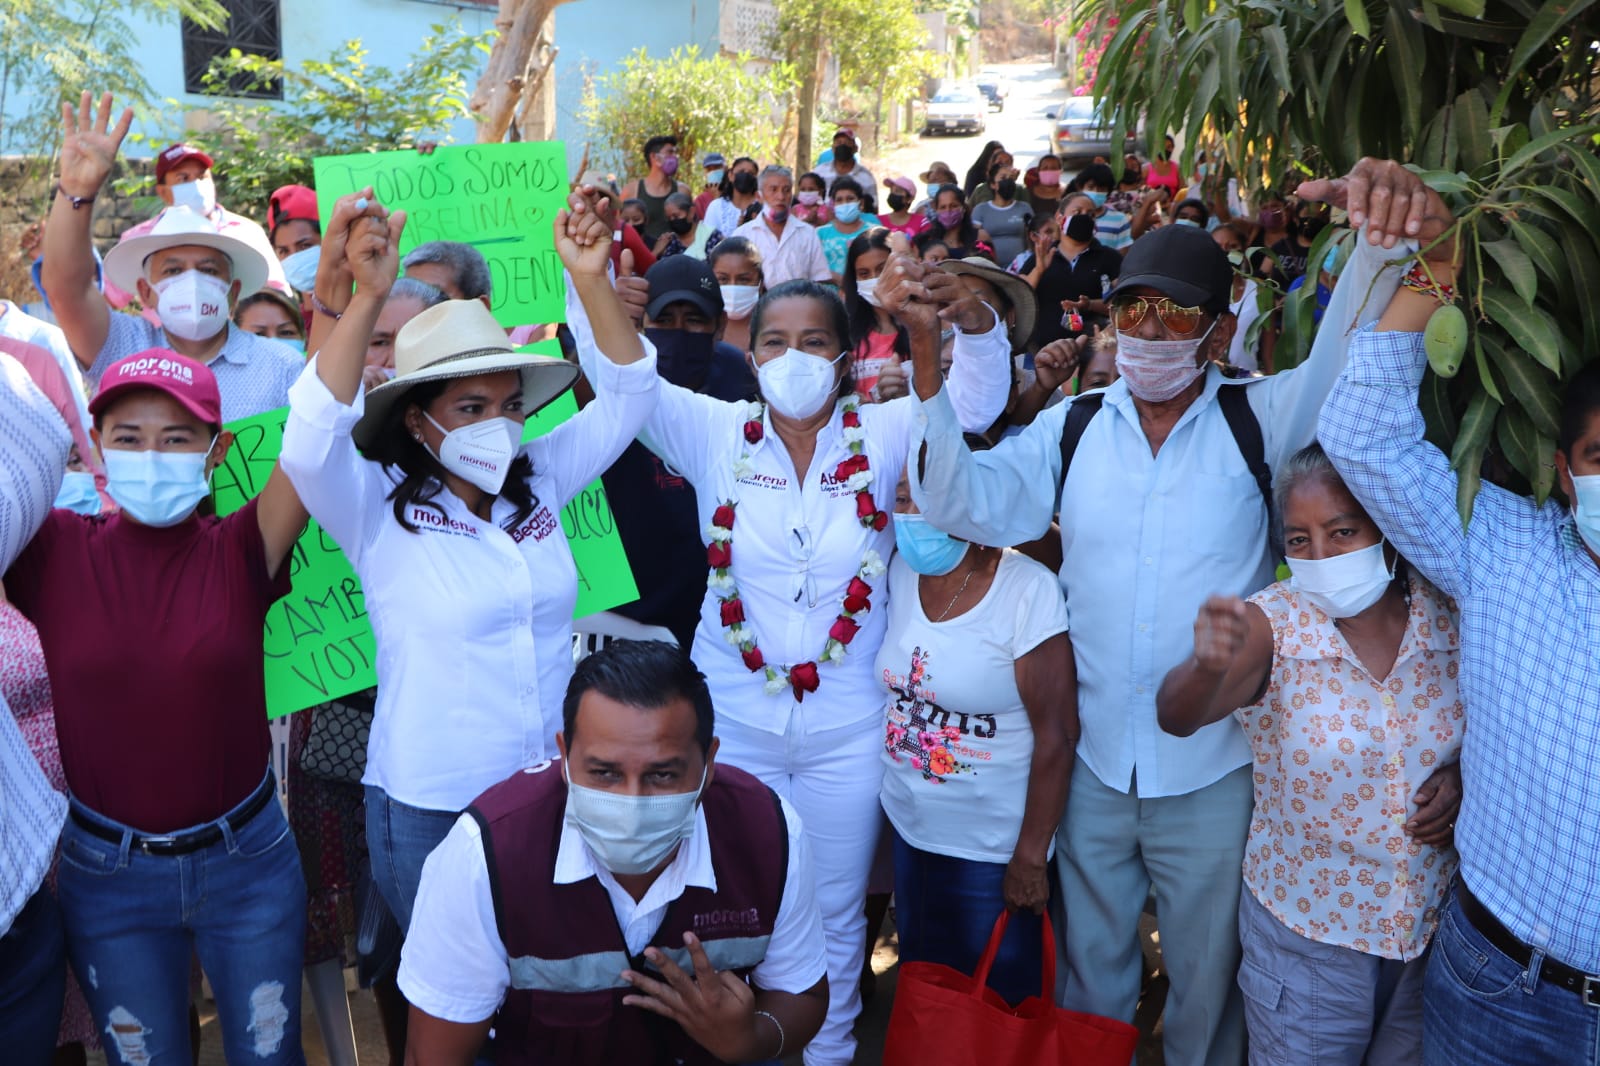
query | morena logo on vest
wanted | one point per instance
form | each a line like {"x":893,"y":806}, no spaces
{"x":724,"y":922}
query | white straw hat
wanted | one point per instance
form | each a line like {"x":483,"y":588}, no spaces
{"x":179,"y":226}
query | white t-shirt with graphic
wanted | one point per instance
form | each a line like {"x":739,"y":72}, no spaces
{"x":957,"y":742}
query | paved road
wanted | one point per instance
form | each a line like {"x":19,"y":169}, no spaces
{"x":1022,"y":127}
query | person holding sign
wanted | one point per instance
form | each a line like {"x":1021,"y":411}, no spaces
{"x":796,"y":494}
{"x":454,"y":528}
{"x":151,"y":624}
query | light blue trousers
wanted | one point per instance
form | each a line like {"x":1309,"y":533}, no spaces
{"x":1111,"y":848}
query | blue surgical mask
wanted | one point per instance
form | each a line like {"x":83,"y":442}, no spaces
{"x":1586,"y":509}
{"x":1099,"y":198}
{"x":77,"y":493}
{"x":296,"y":343}
{"x":1191,"y":223}
{"x":925,"y":549}
{"x":301,"y":268}
{"x":933,"y":188}
{"x":847,"y":212}
{"x":157,"y":488}
{"x":714,"y":177}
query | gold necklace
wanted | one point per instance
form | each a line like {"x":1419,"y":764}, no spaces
{"x":951,"y":605}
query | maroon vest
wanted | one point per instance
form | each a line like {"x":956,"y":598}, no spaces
{"x":566,"y":950}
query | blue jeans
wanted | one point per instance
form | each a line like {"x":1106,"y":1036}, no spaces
{"x":33,"y":979}
{"x":399,"y":839}
{"x":945,"y":910}
{"x":1481,"y":1008}
{"x":133,"y":921}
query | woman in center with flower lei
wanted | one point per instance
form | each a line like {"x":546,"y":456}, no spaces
{"x":796,"y":493}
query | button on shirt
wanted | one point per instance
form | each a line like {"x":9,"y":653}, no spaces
{"x":455,"y":967}
{"x":797,"y":544}
{"x":1145,"y":538}
{"x":1529,"y":595}
{"x":33,"y":454}
{"x":794,"y":253}
{"x":253,"y":373}
{"x":1339,"y":755}
{"x":473,"y":622}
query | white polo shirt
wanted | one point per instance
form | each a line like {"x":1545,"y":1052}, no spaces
{"x":454,"y":964}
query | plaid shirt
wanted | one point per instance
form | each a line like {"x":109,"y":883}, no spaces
{"x":253,"y":373}
{"x":33,"y":455}
{"x":1529,"y":593}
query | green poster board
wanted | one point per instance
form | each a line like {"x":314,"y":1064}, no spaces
{"x":318,"y":642}
{"x":500,"y":198}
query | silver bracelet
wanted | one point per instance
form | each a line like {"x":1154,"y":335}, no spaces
{"x":769,"y":1017}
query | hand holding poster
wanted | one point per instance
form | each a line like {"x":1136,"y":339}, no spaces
{"x":500,"y":198}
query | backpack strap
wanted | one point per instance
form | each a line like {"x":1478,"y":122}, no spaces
{"x":1083,"y":409}
{"x":1246,"y":430}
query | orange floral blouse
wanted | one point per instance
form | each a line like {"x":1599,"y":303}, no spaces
{"x":1337,"y":756}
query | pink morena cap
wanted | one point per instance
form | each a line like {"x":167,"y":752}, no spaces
{"x":190,"y":383}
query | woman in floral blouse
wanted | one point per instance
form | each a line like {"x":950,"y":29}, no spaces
{"x":1344,"y":677}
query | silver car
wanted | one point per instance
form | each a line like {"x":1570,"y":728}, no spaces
{"x":956,"y":110}
{"x":1082,"y":133}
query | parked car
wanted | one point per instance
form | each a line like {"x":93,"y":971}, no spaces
{"x":995,"y":90}
{"x":961,"y":109}
{"x":1082,"y":133}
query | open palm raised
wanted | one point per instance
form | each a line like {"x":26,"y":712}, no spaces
{"x":88,"y":148}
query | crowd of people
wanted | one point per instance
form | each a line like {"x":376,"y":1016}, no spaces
{"x":889,"y":644}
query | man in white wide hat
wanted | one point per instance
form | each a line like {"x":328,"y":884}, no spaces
{"x":184,"y":268}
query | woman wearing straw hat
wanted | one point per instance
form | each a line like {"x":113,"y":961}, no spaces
{"x":454,"y":528}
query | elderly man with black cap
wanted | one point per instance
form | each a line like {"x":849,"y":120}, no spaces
{"x":1167,"y":506}
{"x":185,"y":267}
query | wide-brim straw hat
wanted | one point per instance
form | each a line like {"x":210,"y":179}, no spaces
{"x":458,"y":339}
{"x":180,"y":227}
{"x":1015,"y":289}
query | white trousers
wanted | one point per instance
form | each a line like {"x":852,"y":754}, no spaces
{"x":831,"y":776}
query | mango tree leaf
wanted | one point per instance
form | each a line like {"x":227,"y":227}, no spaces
{"x":1472,"y":129}
{"x":1580,"y":257}
{"x":1438,"y":416}
{"x":1485,"y":374}
{"x":1277,"y":48}
{"x":1517,"y":267}
{"x":1470,"y":8}
{"x":1533,"y":387}
{"x":1356,"y":13}
{"x":1580,"y":210}
{"x":1552,"y":15}
{"x":1533,"y":329}
{"x":1543,"y":143}
{"x":1404,"y":46}
{"x":1193,"y":15}
{"x":1205,"y":91}
{"x":1468,"y":481}
{"x":1540,"y":248}
{"x":1476,"y":425}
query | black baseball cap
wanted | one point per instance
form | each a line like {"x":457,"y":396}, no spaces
{"x":683,"y":277}
{"x":1181,"y":262}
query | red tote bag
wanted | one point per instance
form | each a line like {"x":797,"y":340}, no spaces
{"x":942,"y":1017}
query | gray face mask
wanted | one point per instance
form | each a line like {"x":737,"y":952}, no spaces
{"x":631,"y":834}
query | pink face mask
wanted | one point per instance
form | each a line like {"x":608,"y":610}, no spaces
{"x":808,"y":197}
{"x":950,"y":217}
{"x":1049,"y":177}
{"x":1156,"y":371}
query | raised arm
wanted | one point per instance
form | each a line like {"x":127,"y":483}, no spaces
{"x":583,"y":240}
{"x":980,"y":365}
{"x":1229,"y":666}
{"x":89,"y":146}
{"x":34,"y":443}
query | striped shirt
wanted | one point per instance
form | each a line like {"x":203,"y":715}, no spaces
{"x":1114,"y":229}
{"x":33,"y":456}
{"x":1529,"y":594}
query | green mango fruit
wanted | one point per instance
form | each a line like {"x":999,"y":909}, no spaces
{"x":1445,"y":340}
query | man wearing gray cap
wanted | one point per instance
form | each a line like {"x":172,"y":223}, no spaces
{"x":1162,"y":481}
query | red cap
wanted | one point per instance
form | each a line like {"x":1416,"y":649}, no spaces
{"x":174,"y":154}
{"x":190,"y":383}
{"x":289,"y":202}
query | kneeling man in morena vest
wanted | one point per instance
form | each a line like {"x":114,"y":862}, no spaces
{"x":632,"y":903}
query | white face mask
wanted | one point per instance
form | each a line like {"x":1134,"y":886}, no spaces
{"x":1343,"y":585}
{"x":631,"y":834}
{"x":868,"y":291}
{"x":481,"y":453}
{"x":798,"y":384}
{"x":192,"y":305}
{"x":157,"y":488}
{"x":1586,"y":509}
{"x":198,"y":196}
{"x":300,"y":269}
{"x":740,"y":300}
{"x":1156,"y":371}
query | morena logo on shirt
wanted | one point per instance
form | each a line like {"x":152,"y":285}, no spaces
{"x":170,"y":368}
{"x":434,"y":521}
{"x":539,"y":526}
{"x":725,"y":921}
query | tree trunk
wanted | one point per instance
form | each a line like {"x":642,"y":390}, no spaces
{"x":810,"y":89}
{"x":519,"y":67}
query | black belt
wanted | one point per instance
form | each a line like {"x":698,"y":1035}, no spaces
{"x":185,"y":843}
{"x":1556,"y":973}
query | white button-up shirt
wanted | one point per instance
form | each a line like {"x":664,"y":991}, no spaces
{"x":797,"y":541}
{"x":1145,"y":538}
{"x":455,"y":966}
{"x":473,"y":621}
{"x":795,"y":253}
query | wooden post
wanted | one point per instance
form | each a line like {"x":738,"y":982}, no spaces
{"x":518,"y":72}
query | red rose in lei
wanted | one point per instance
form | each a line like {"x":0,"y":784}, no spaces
{"x":753,"y":659}
{"x":720,"y":554}
{"x":723,"y":516}
{"x":844,"y":630}
{"x":752,"y":431}
{"x":880,"y":520}
{"x":856,"y":604}
{"x":866,"y":506}
{"x":851,"y":420}
{"x":803,"y":676}
{"x":732,"y":612}
{"x":856,"y":597}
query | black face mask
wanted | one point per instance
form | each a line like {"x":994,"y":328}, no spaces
{"x":1310,"y":227}
{"x":1007,"y":188}
{"x":680,"y":226}
{"x":843,"y":153}
{"x":744,"y":183}
{"x":1080,"y":228}
{"x":682,"y":358}
{"x":899,"y":202}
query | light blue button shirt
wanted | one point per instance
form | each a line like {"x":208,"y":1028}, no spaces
{"x":1145,"y":538}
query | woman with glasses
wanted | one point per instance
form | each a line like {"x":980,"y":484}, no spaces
{"x":1161,"y":508}
{"x":796,"y":493}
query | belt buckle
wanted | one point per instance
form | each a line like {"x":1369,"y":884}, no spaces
{"x":146,"y":843}
{"x":1591,"y":991}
